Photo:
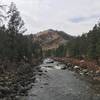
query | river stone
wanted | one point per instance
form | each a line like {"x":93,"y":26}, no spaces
{"x":76,"y":67}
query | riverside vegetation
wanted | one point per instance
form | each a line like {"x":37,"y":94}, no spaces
{"x":18,"y":55}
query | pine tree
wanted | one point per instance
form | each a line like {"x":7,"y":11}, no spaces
{"x":15,"y":30}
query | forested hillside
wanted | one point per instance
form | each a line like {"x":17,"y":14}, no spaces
{"x":13,"y":44}
{"x":85,"y":46}
{"x":19,"y":55}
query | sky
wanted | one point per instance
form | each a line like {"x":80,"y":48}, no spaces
{"x":72,"y":16}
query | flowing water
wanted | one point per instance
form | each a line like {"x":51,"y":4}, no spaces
{"x":57,"y":84}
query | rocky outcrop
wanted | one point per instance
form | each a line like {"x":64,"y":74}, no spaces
{"x":51,"y":39}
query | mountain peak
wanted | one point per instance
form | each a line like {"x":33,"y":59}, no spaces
{"x":51,"y":39}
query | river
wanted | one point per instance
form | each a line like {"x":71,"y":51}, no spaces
{"x":57,"y":84}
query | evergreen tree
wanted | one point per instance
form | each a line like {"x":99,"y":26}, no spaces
{"x":15,"y":31}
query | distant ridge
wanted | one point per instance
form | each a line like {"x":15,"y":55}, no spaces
{"x":51,"y":39}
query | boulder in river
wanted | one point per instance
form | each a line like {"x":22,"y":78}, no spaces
{"x":76,"y":67}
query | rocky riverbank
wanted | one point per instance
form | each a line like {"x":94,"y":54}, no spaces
{"x":61,"y":84}
{"x":16,"y":79}
{"x":83,"y":67}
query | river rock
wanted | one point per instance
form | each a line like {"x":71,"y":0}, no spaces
{"x":69,"y":65}
{"x":81,"y":73}
{"x":76,"y":67}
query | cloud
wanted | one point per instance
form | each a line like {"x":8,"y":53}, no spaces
{"x":71,"y":16}
{"x":78,"y":19}
{"x":82,"y":19}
